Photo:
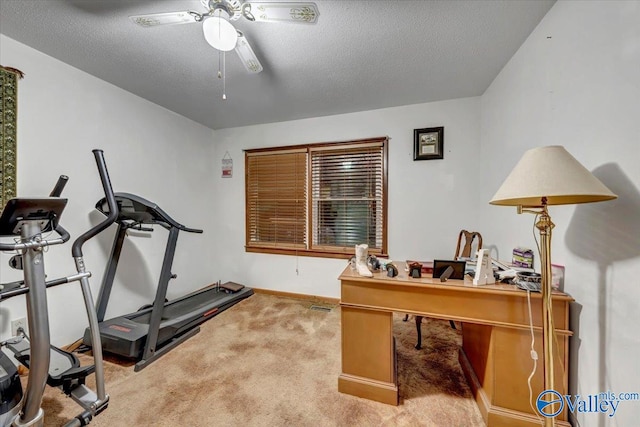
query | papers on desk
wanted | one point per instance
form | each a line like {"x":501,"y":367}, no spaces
{"x":507,"y":271}
{"x":506,"y":274}
{"x":470,"y":266}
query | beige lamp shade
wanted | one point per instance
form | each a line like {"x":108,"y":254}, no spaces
{"x":553,"y":173}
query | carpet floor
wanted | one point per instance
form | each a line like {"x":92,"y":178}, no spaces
{"x":273,"y":361}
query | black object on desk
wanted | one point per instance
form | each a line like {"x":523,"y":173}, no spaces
{"x":440,"y":266}
{"x":446,"y":274}
{"x":415,"y":270}
{"x":392,"y":270}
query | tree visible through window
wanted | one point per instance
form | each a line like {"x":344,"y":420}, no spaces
{"x":317,"y":200}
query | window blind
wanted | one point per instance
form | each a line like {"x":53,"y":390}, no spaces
{"x":276,"y":196}
{"x":347,"y":197}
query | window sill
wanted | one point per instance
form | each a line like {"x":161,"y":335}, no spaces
{"x":309,"y":253}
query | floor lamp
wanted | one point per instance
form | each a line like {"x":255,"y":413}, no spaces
{"x":548,"y":176}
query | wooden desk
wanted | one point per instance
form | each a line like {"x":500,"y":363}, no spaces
{"x":495,"y":354}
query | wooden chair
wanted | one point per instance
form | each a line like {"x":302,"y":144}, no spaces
{"x":469,"y":237}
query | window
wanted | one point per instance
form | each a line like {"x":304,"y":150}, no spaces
{"x":317,"y":200}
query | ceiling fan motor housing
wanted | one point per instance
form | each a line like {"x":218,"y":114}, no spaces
{"x":232,"y":7}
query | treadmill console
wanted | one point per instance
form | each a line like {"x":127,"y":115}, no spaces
{"x":135,"y":210}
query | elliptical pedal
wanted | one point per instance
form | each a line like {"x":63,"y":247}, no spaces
{"x":10,"y":389}
{"x":64,"y":369}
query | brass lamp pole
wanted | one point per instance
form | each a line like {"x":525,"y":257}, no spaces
{"x":548,"y":176}
{"x":544,"y":226}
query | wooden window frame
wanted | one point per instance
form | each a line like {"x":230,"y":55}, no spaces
{"x":310,"y":250}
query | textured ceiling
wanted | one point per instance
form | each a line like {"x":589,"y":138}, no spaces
{"x":361,"y":55}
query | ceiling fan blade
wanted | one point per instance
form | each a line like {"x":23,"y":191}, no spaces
{"x":297,"y":12}
{"x":247,"y":57}
{"x":169,"y":18}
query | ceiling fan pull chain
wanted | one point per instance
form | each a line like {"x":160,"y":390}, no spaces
{"x":224,"y":75}
{"x":222,"y":72}
{"x":224,"y":56}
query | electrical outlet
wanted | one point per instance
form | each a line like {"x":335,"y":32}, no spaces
{"x":18,"y":323}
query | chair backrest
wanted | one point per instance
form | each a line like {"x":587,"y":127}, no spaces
{"x":469,"y":237}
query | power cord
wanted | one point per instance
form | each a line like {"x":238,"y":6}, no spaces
{"x":534,"y":357}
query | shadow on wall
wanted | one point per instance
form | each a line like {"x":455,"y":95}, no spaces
{"x":132,"y":270}
{"x":604,"y":233}
{"x":495,"y":253}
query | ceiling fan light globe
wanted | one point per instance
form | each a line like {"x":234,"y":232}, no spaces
{"x":219,"y":33}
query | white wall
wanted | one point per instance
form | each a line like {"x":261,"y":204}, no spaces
{"x":63,"y":114}
{"x":428,"y":200}
{"x":580,"y":89}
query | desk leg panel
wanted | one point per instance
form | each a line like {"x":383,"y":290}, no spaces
{"x":367,"y":344}
{"x":368,"y":355}
{"x":497,"y":364}
{"x":512,"y":356}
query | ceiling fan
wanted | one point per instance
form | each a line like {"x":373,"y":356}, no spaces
{"x":222,"y":35}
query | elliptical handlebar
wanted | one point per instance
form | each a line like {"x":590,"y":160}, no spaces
{"x":64,"y":236}
{"x":57,"y":190}
{"x":76,"y":249}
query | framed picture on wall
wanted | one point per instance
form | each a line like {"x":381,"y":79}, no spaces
{"x":428,"y":143}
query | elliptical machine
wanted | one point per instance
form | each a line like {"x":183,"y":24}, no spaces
{"x":29,"y":219}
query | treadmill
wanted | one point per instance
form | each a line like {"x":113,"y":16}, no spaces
{"x":151,"y":332}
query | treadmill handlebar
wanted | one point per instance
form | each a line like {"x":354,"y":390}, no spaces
{"x":139,"y":227}
{"x":191,"y":230}
{"x":76,"y":250}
